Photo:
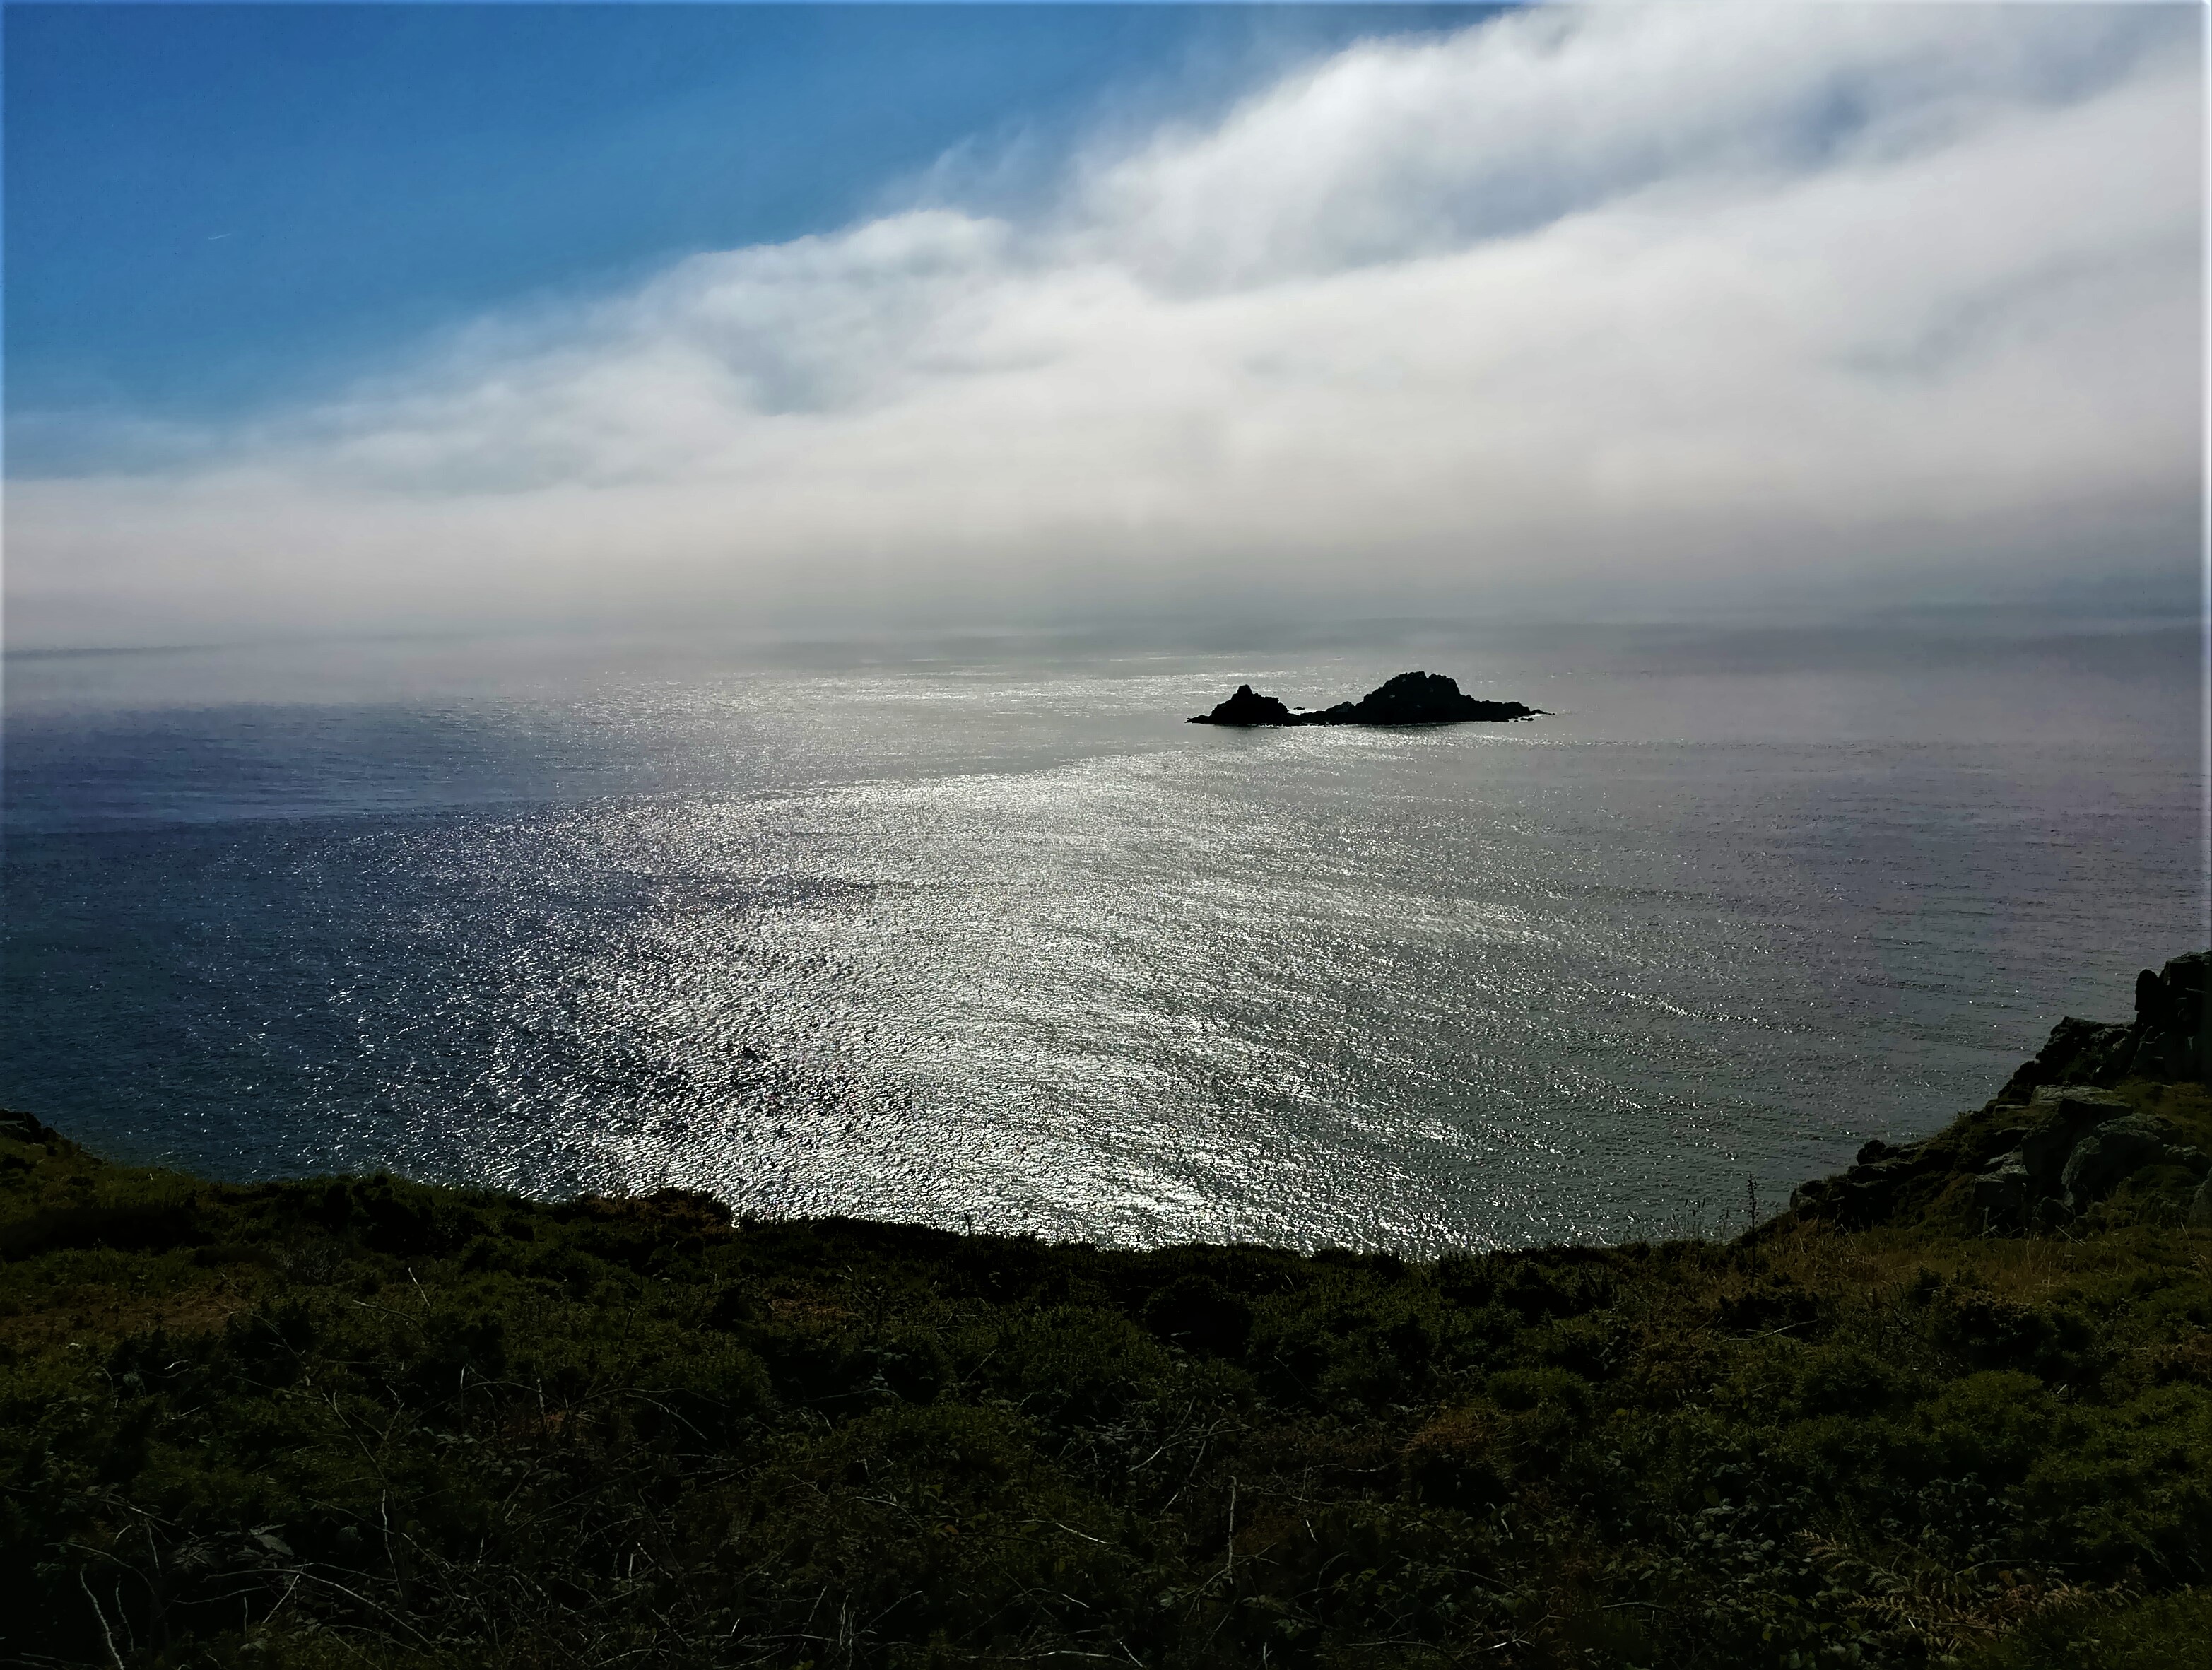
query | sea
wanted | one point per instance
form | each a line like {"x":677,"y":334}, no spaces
{"x":975,"y":931}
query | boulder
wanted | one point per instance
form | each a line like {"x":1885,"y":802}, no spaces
{"x":2065,"y":1112}
{"x":2012,"y":1188}
{"x":2110,"y":1153}
{"x":2078,"y":1052}
{"x":2079,"y":1100}
{"x":2006,"y":1192}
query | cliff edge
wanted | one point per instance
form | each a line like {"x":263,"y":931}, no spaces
{"x":2108,"y":1120}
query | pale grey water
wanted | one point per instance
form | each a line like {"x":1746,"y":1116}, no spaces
{"x":987,"y":935}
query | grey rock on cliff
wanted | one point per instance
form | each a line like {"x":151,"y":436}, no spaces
{"x":2058,"y":1138}
{"x":2167,"y":1040}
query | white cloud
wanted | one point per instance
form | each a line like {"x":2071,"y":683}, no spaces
{"x":1602,"y":304}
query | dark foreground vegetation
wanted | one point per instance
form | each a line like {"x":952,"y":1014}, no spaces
{"x":360,"y":1422}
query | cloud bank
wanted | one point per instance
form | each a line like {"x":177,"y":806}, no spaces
{"x":1598,"y":310}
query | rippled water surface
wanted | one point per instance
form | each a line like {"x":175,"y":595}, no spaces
{"x":991,"y":936}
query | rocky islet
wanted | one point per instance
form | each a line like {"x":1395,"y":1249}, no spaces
{"x":1410,"y":698}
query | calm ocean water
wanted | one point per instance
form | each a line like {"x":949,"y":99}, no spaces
{"x":987,"y":935}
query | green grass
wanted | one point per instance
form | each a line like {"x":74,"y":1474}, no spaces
{"x":365,"y":1422}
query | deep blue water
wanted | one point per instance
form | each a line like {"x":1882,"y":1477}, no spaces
{"x":988,"y":935}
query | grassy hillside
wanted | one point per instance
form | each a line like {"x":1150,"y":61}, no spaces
{"x":363,"y":1422}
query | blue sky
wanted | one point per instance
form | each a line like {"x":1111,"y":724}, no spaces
{"x":460,"y":318}
{"x":211,"y":205}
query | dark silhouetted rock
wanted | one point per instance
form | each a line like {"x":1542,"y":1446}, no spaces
{"x":2168,"y":1041}
{"x":1417,"y":698}
{"x":2173,"y":1040}
{"x":1247,"y":707}
{"x":1411,"y":698}
{"x":2078,"y":1052}
{"x":24,"y":1128}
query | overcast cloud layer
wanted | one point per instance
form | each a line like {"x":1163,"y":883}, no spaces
{"x":1608,"y":310}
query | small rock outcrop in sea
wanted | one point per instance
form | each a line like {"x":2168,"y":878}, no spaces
{"x":1245,"y":707}
{"x":2094,"y":1111}
{"x":1411,"y":698}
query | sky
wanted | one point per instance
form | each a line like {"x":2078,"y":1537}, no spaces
{"x":362,"y":319}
